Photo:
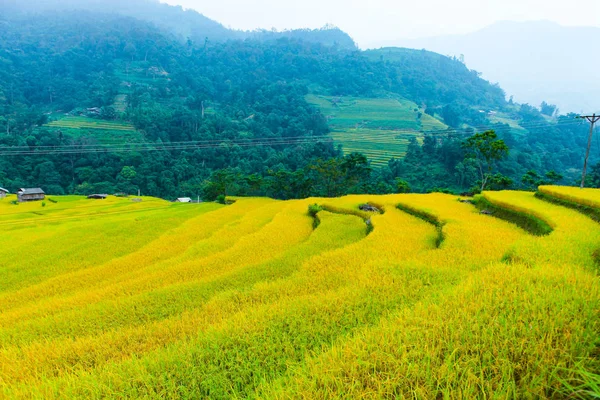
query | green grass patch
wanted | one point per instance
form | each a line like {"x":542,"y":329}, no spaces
{"x":530,"y":223}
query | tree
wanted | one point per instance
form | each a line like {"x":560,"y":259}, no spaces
{"x":429,"y":145}
{"x":594,"y":176}
{"x":500,"y":182}
{"x":451,"y":116}
{"x":402,"y":186}
{"x":356,"y":167}
{"x":221,"y":183}
{"x":553,"y":177}
{"x":130,"y":50}
{"x":125,"y":180}
{"x":531,"y":180}
{"x":128,"y":173}
{"x":331,"y":174}
{"x":486,"y":149}
{"x":108,"y":113}
{"x":548,"y":109}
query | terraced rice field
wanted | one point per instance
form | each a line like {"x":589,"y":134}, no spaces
{"x":141,"y":73}
{"x":378,"y":145}
{"x":379,"y":128}
{"x":90,"y":123}
{"x":104,"y":131}
{"x":123,"y":299}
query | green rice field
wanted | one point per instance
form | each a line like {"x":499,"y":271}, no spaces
{"x":379,"y":128}
{"x":104,"y":131}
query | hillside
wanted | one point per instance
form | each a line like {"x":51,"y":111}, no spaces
{"x":237,"y":117}
{"x":183,"y":23}
{"x":105,"y":298}
{"x":530,"y":60}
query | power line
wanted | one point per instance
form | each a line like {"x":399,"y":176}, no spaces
{"x":384,"y":133}
{"x":592,"y":119}
{"x":214,"y":144}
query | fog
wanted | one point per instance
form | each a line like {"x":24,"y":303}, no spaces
{"x":370,"y":22}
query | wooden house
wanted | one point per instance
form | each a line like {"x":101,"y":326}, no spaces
{"x":183,"y":200}
{"x":3,"y":192}
{"x":34,"y":194}
{"x":97,"y":196}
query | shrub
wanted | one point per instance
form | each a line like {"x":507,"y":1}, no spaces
{"x":221,"y":199}
{"x":314,"y":209}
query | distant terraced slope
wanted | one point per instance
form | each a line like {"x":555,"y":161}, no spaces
{"x":379,"y":128}
{"x":102,"y":130}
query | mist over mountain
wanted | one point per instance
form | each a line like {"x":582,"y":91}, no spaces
{"x":533,"y":61}
{"x":185,"y":24}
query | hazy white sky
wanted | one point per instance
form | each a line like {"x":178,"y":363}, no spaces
{"x":371,"y":21}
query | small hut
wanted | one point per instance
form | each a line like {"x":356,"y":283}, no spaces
{"x":34,"y":194}
{"x":97,"y":196}
{"x":3,"y":192}
{"x":183,"y":200}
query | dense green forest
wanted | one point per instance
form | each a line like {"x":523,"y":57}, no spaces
{"x":228,"y":115}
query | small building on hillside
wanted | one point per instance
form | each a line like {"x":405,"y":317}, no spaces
{"x":183,"y":200}
{"x":3,"y":192}
{"x":34,"y":194}
{"x":97,"y":196}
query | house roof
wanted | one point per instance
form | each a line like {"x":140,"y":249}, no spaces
{"x":31,"y":191}
{"x":4,"y":190}
{"x":184,"y":200}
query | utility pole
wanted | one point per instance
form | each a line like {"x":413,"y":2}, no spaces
{"x":592,"y":119}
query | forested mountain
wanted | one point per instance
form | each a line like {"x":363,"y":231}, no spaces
{"x":194,"y":117}
{"x":531,"y":60}
{"x":184,"y":24}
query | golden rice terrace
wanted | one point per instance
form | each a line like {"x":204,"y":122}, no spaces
{"x":423,"y":296}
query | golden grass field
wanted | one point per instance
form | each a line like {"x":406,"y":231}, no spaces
{"x":121,"y":299}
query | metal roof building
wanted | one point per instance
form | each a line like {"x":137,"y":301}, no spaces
{"x":32,"y":194}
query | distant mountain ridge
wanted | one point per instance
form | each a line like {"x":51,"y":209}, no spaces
{"x":534,"y":61}
{"x":184,"y":23}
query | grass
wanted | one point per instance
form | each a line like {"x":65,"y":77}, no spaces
{"x":379,"y":128}
{"x":116,"y":299}
{"x":528,"y":221}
